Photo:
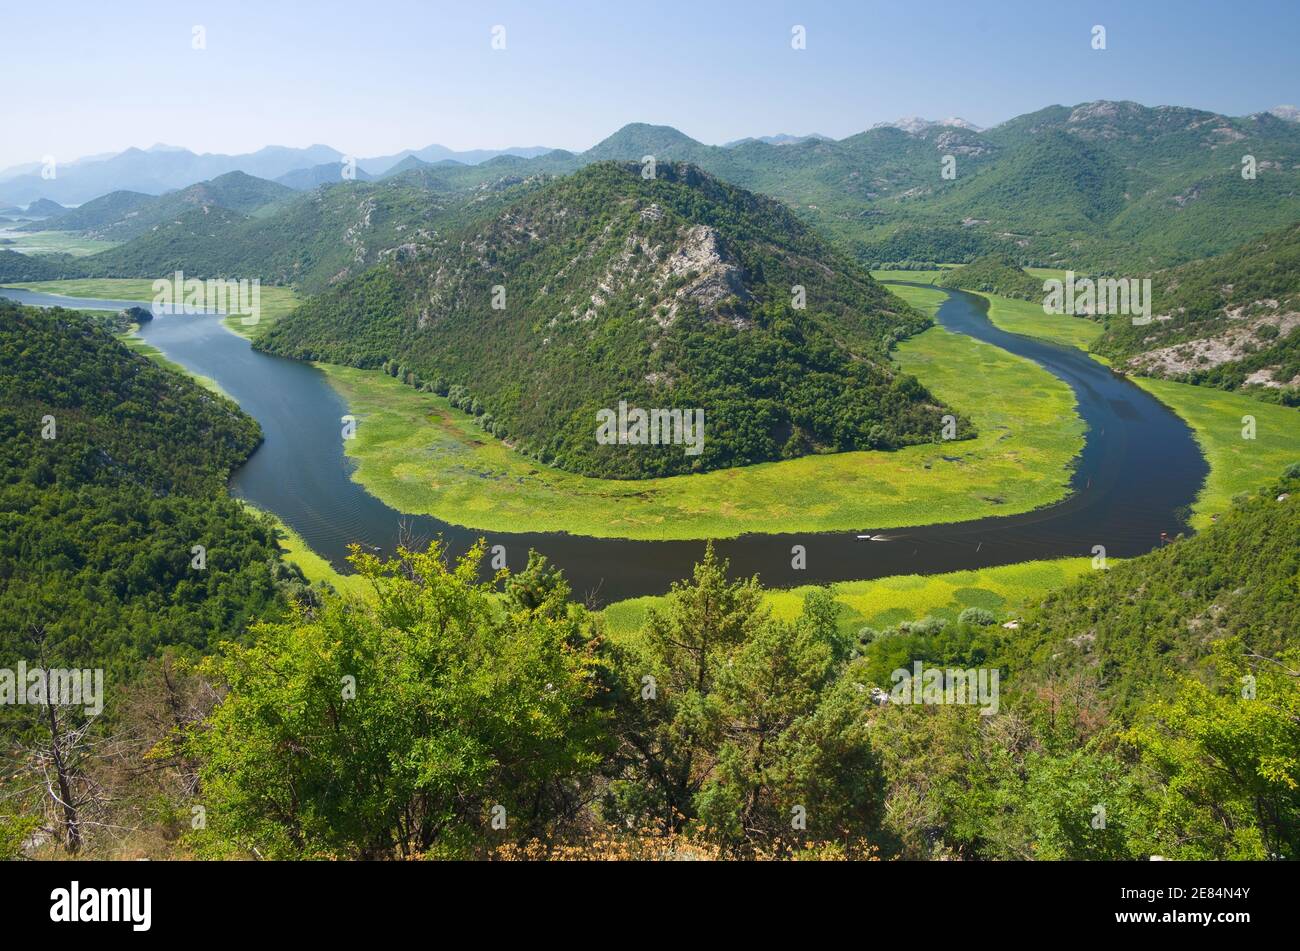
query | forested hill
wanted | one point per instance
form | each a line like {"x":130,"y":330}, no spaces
{"x":994,"y":274}
{"x":1228,"y":321}
{"x":116,"y":417}
{"x":112,"y":470}
{"x":679,"y":291}
{"x":1145,"y":621}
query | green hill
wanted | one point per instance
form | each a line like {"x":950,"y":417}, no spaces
{"x":98,"y":215}
{"x":1144,"y":620}
{"x":123,"y":215}
{"x":1229,"y":321}
{"x":309,"y":241}
{"x":671,"y":293}
{"x":994,"y":274}
{"x":111,"y":470}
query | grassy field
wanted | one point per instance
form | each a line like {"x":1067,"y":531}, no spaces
{"x":1027,"y":317}
{"x":889,"y":601}
{"x":275,"y":301}
{"x":420,"y":455}
{"x":914,"y":277}
{"x":52,"y":242}
{"x":1236,"y":464}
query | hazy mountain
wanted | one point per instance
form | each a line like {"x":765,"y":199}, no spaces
{"x":99,"y":214}
{"x":328,"y":173}
{"x":154,"y":171}
{"x":312,"y":239}
{"x":120,"y":216}
{"x":664,"y":292}
{"x":638,"y":139}
{"x":437,"y":153}
{"x":779,"y":139}
{"x":1289,"y":113}
{"x":44,"y":208}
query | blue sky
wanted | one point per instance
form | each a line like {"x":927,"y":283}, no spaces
{"x":375,"y":76}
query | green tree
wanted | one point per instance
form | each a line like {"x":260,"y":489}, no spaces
{"x":418,"y":724}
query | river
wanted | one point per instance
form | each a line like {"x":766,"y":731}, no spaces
{"x":1139,"y":471}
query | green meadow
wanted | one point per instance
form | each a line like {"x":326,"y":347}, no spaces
{"x":1236,"y":464}
{"x":421,"y":455}
{"x":53,"y":242}
{"x":885,"y":602}
{"x":1027,"y":317}
{"x":914,"y":277}
{"x":1215,"y":416}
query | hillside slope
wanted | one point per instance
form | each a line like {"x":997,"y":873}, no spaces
{"x":671,"y":293}
{"x":123,"y":215}
{"x":1230,"y":321}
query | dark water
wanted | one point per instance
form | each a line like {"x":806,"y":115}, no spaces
{"x":1138,"y":472}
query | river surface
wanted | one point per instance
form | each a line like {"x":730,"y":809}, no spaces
{"x":1138,"y":473}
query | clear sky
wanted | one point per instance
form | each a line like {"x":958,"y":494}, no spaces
{"x":375,"y":76}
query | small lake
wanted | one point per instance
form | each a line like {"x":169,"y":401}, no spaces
{"x":1139,"y":471}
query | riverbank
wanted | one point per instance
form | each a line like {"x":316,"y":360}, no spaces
{"x":885,"y":602}
{"x":1215,"y":416}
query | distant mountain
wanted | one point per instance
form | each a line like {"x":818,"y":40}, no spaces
{"x":916,"y":124}
{"x":99,"y":215}
{"x":328,"y":173}
{"x":408,"y":164}
{"x":1099,"y":185}
{"x":779,"y":139}
{"x":1230,"y":321}
{"x":438,"y":153}
{"x":638,"y":139}
{"x":154,"y":172}
{"x":1289,"y":113}
{"x":670,"y":292}
{"x":120,"y":216}
{"x":44,"y":208}
{"x":310,"y":240}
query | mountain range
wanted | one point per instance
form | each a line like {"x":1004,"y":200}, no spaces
{"x":163,"y":168}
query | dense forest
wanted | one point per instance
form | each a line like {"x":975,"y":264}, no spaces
{"x":117,"y":541}
{"x":1148,"y":709}
{"x":677,"y":291}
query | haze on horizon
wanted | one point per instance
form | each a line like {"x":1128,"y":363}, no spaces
{"x":573,"y":74}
